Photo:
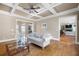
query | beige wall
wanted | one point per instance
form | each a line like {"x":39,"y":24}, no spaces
{"x":52,"y":26}
{"x":7,"y":27}
{"x":69,"y":19}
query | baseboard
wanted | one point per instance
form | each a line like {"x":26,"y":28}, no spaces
{"x":76,"y":42}
{"x":7,"y":40}
{"x":58,"y":39}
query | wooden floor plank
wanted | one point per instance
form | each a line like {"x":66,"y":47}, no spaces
{"x":64,"y":47}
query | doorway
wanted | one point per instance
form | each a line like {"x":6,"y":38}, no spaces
{"x":68,"y":29}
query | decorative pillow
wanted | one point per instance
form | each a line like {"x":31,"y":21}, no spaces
{"x":37,"y":35}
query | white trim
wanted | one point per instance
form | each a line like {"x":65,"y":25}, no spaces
{"x":7,"y":40}
{"x":76,"y":42}
{"x":56,"y":5}
{"x":23,"y":20}
{"x":59,"y":28}
{"x":58,"y":39}
{"x":47,"y":6}
{"x":53,"y":11}
{"x":76,"y":31}
{"x":14,"y":8}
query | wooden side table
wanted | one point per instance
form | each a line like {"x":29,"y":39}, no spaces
{"x":12,"y":49}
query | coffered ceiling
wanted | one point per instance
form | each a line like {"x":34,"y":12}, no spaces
{"x":46,"y":9}
{"x":64,"y":7}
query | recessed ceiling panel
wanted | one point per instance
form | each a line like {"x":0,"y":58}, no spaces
{"x":31,"y":7}
{"x":46,"y":13}
{"x":34,"y":17}
{"x":5,"y":8}
{"x":28,"y":5}
{"x":20,"y":13}
{"x":65,"y":6}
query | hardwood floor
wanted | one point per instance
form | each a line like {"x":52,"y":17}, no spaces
{"x":65,"y":47}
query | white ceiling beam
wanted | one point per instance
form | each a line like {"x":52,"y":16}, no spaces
{"x":51,"y":6}
{"x":21,"y":9}
{"x":62,"y":13}
{"x":36,"y":15}
{"x":18,"y":8}
{"x":32,"y":14}
{"x":48,"y":6}
{"x":43,"y":10}
{"x":14,"y":8}
{"x":56,"y":5}
{"x":52,"y":10}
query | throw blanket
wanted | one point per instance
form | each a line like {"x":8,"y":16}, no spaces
{"x":21,"y":40}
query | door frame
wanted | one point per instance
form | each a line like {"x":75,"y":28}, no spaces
{"x":75,"y":42}
{"x":76,"y":31}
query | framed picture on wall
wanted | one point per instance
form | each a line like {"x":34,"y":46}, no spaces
{"x":44,"y":26}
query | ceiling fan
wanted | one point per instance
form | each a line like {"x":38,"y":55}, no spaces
{"x":32,"y":8}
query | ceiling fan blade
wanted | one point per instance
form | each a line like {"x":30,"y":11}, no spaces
{"x":35,"y":10}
